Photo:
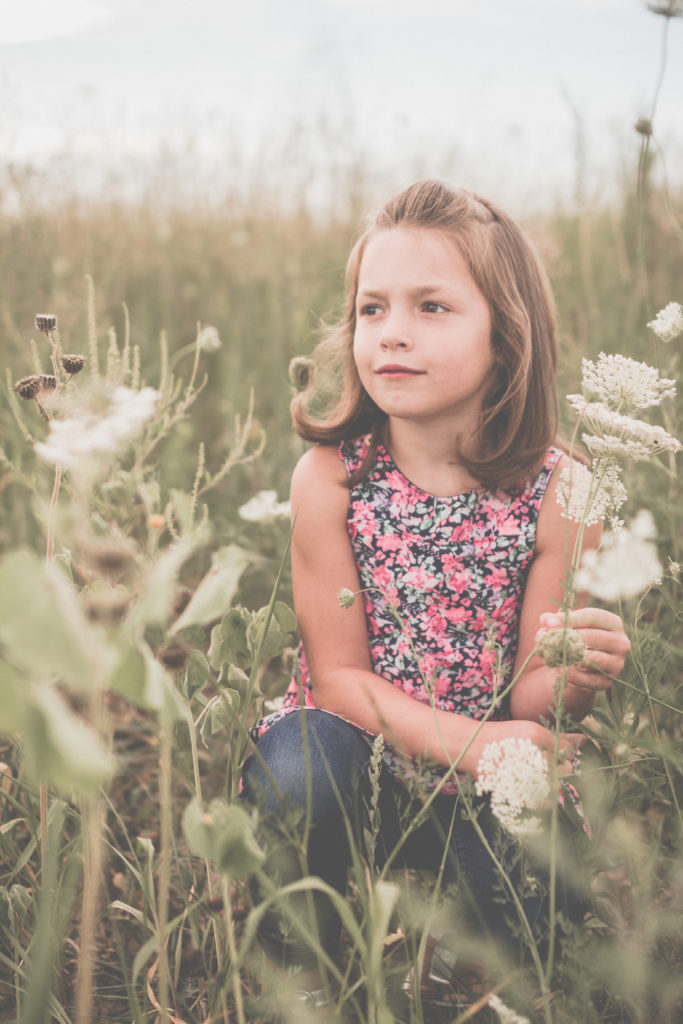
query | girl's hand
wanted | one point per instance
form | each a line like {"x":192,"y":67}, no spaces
{"x":606,"y":646}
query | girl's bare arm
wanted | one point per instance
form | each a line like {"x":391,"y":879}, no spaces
{"x":534,"y":695}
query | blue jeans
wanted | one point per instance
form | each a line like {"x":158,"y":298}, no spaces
{"x":309,"y":779}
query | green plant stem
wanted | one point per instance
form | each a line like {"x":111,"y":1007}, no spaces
{"x":232,"y":947}
{"x":191,"y":725}
{"x":164,"y":858}
{"x":92,"y":839}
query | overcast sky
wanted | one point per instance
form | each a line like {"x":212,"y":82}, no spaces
{"x":494,"y":91}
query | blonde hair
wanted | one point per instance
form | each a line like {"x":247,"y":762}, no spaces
{"x":519,"y":417}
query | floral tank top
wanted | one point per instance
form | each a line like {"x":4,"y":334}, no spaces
{"x":443,"y":582}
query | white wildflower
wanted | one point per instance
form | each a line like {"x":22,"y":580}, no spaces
{"x":505,"y":1014}
{"x":208,"y":339}
{"x":623,"y":436}
{"x":95,"y":432}
{"x":624,"y":384}
{"x":590,"y":496}
{"x":625,"y":564}
{"x":668,"y":323}
{"x":515,"y":772}
{"x":674,"y":569}
{"x":264,"y":507}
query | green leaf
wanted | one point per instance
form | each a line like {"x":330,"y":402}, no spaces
{"x":156,"y":602}
{"x":223,"y":834}
{"x":41,"y":622}
{"x":216,"y":590}
{"x":59,"y":748}
{"x":285,"y":617}
{"x":12,"y":697}
{"x":183,"y":508}
{"x":197,"y":673}
{"x":222,"y":712}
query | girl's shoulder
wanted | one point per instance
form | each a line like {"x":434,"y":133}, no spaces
{"x":319,"y":466}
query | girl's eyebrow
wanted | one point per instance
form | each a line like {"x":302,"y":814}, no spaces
{"x":418,"y":292}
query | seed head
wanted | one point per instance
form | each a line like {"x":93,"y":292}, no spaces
{"x":46,"y":322}
{"x":109,"y":555}
{"x":668,"y":9}
{"x":558,"y":647}
{"x":35,"y":385}
{"x":173,"y":656}
{"x":73,"y":363}
{"x":346,"y":597}
{"x":107,"y":605}
{"x":300,"y":369}
{"x":643,"y":126}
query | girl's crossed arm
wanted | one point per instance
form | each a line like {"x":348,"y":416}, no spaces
{"x":534,"y":696}
{"x":336,"y":642}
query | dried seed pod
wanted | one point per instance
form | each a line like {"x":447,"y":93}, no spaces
{"x":28,"y":387}
{"x":46,"y":322}
{"x":106,"y":605}
{"x":173,"y":656}
{"x":35,"y":385}
{"x":73,"y":363}
{"x":300,"y":369}
{"x":109,"y":555}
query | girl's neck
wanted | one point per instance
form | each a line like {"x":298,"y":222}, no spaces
{"x":428,"y":459}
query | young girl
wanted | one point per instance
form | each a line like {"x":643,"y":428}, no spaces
{"x":430,"y":494}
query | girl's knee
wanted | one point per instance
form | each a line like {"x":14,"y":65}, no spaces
{"x":309,"y":760}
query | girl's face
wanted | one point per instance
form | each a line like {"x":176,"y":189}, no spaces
{"x":422,"y":343}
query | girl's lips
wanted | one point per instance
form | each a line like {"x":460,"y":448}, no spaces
{"x":394,"y":370}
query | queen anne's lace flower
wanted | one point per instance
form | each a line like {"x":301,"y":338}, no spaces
{"x":625,"y":564}
{"x":624,"y":384}
{"x":590,"y":496}
{"x":263,"y":507}
{"x":668,"y":323}
{"x":515,"y":772}
{"x":621,"y":435}
{"x":89,"y":434}
{"x":505,"y":1014}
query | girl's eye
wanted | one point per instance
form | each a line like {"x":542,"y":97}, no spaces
{"x":434,"y":307}
{"x":370,"y":309}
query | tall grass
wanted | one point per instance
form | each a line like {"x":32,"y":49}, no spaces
{"x":139,"y":906}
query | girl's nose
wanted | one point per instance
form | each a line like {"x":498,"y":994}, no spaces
{"x":395,"y":334}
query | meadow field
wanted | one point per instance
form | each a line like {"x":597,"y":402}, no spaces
{"x":145,"y":622}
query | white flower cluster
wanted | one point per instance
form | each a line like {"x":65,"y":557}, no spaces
{"x":625,"y":564}
{"x":264,"y":507}
{"x":616,"y":437}
{"x":505,"y":1014}
{"x":103,"y":431}
{"x":623,"y":383}
{"x":613,"y":387}
{"x":587,"y":496}
{"x":515,"y":772}
{"x":668,"y":323}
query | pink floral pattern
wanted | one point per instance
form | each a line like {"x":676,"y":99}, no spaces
{"x":443,"y":581}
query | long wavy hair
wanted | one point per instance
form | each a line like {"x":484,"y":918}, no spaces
{"x":519,"y":411}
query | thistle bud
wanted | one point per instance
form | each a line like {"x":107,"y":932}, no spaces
{"x":560,"y":646}
{"x":346,"y":597}
{"x":46,"y":322}
{"x":73,"y":363}
{"x":300,"y":369}
{"x":35,"y":385}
